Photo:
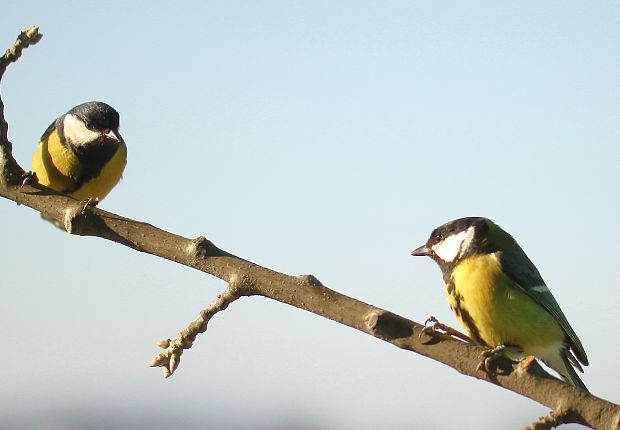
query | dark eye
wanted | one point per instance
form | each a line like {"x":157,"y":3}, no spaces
{"x":88,"y":125}
{"x":438,"y":237}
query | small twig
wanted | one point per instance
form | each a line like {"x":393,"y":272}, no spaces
{"x":26,"y":38}
{"x":10,"y":172}
{"x":170,"y":357}
{"x":553,"y":419}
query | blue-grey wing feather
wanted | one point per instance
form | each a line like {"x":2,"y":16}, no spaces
{"x":522,"y":271}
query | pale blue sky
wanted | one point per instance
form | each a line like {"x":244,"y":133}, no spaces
{"x":311,"y":137}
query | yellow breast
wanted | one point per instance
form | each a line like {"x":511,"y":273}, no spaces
{"x":107,"y":179}
{"x":57,"y":167}
{"x":493,"y":308}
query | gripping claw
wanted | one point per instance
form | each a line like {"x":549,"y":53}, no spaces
{"x":489,"y":359}
{"x":438,"y":329}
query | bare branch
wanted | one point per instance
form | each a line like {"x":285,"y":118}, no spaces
{"x":26,"y":38}
{"x":554,"y":419}
{"x":305,"y":292}
{"x":10,"y":171}
{"x":170,"y":357}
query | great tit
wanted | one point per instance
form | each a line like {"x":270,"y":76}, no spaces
{"x":498,"y":295}
{"x":81,"y":153}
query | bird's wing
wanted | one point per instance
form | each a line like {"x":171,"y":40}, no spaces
{"x":48,"y":130}
{"x":522,"y":271}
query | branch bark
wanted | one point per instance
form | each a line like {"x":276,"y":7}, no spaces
{"x":10,"y":171}
{"x":305,"y":292}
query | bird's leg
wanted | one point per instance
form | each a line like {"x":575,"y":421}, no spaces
{"x":29,"y":178}
{"x":90,"y":202}
{"x":489,"y":357}
{"x":438,"y":329}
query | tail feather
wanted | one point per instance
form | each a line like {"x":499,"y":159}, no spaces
{"x":574,"y":361}
{"x":562,"y":364}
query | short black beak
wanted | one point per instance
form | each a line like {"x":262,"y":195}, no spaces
{"x":114,"y":134}
{"x":422,"y":251}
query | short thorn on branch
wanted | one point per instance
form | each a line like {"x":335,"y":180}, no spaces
{"x":310,"y":280}
{"x":199,"y":247}
{"x":170,"y":357}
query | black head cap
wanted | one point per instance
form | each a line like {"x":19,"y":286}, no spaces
{"x":458,"y":225}
{"x":451,"y":228}
{"x":449,"y":232}
{"x":97,"y":115}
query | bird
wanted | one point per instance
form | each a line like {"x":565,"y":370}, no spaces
{"x":82,"y":153}
{"x":500,"y":298}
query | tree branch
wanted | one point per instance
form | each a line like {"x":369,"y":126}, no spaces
{"x":553,"y":419}
{"x":170,"y":357}
{"x":10,"y":171}
{"x":305,"y":292}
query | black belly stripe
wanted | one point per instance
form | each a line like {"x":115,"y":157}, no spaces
{"x":463,"y":314}
{"x":93,"y":159}
{"x":450,"y":287}
{"x":470,"y":325}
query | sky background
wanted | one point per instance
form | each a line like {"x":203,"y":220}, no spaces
{"x":310,"y":137}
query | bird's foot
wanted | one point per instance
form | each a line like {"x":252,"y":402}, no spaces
{"x":490,"y":359}
{"x":438,"y":329}
{"x":29,"y":178}
{"x":79,"y":210}
{"x":91,"y":202}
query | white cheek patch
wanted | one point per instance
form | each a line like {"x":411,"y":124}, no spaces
{"x":449,"y":248}
{"x":76,"y":132}
{"x":469,"y":236}
{"x":453,"y":246}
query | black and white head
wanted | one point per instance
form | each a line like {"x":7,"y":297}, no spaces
{"x":455,"y":240}
{"x":91,"y":124}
